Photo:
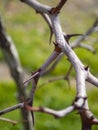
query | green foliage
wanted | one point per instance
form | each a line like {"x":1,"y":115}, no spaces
{"x":55,"y":96}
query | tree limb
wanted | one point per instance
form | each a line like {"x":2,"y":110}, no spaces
{"x":56,"y":114}
{"x":11,"y":57}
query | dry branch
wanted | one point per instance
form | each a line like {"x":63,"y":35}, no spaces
{"x":56,"y":114}
{"x":62,"y":47}
{"x":8,"y":120}
{"x":82,"y":72}
{"x":11,"y":57}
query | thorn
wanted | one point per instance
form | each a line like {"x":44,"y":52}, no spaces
{"x":68,"y":36}
{"x":86,"y":68}
{"x":34,"y":75}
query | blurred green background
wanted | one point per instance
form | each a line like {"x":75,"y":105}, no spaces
{"x":31,"y":37}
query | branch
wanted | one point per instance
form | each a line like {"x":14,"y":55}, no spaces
{"x":36,"y":75}
{"x":20,"y":105}
{"x":12,"y":59}
{"x":91,"y":30}
{"x":57,"y":9}
{"x":88,"y":47}
{"x":37,"y":6}
{"x":51,"y":80}
{"x":8,"y":120}
{"x":13,"y":122}
{"x":40,"y":71}
{"x":66,"y":77}
{"x":87,"y":119}
{"x":57,"y":114}
{"x":92,"y":79}
{"x":53,"y":66}
{"x":48,"y":21}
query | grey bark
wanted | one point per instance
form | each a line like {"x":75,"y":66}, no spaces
{"x":11,"y":58}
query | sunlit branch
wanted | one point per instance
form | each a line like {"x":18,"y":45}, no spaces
{"x":55,"y":113}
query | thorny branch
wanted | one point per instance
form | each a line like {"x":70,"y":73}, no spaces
{"x":11,"y":58}
{"x":57,"y":9}
{"x":62,"y":47}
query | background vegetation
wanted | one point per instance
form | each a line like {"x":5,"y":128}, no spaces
{"x":31,"y":37}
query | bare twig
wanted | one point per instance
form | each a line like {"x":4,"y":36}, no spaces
{"x":20,"y":105}
{"x":57,"y":9}
{"x":13,"y":122}
{"x":53,"y":66}
{"x":88,"y":47}
{"x":92,"y":79}
{"x":40,"y":71}
{"x":57,"y":114}
{"x":66,"y":77}
{"x":8,"y":120}
{"x":91,"y":30}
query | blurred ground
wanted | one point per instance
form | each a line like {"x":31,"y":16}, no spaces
{"x":4,"y":72}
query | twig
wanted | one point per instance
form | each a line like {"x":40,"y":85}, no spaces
{"x":88,"y":47}
{"x":53,"y":66}
{"x":92,"y":79}
{"x":8,"y":120}
{"x":20,"y":105}
{"x":40,"y":71}
{"x":53,"y":79}
{"x":13,"y":122}
{"x":57,"y":114}
{"x":87,"y":33}
{"x":48,"y":21}
{"x":57,"y":9}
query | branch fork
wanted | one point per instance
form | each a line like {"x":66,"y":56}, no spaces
{"x":62,"y":46}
